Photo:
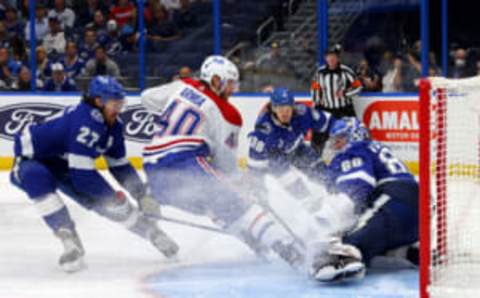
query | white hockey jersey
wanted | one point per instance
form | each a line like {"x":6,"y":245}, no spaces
{"x":192,"y":115}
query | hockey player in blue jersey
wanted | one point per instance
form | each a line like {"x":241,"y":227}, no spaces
{"x":277,"y":143}
{"x":60,"y":155}
{"x":383,"y":214}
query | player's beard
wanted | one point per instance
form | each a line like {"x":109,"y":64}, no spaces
{"x":110,"y":118}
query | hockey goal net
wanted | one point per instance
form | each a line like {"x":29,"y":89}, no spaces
{"x":450,"y":188}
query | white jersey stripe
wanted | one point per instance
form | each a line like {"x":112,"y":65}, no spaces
{"x":49,"y":204}
{"x":80,"y":162}
{"x":26,"y":142}
{"x":362,"y":175}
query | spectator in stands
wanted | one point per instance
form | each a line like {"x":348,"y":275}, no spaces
{"x":8,"y":69}
{"x":148,"y":10}
{"x":54,"y":42}
{"x":4,"y":37}
{"x":459,"y":69}
{"x":273,"y":68}
{"x":59,"y":81}
{"x":99,"y":25}
{"x":14,"y":26}
{"x":183,"y":16}
{"x":183,"y":73}
{"x":128,"y":39}
{"x":87,"y":13}
{"x":274,"y":61}
{"x":87,"y":50}
{"x":72,"y":63}
{"x":101,"y":65}
{"x":41,"y":24}
{"x":392,"y":80}
{"x":112,"y":40}
{"x":123,"y":13}
{"x":161,"y":30}
{"x":65,"y":15}
{"x":369,"y":77}
{"x":24,"y":80}
{"x":19,"y":50}
{"x":44,"y":65}
{"x":412,"y":71}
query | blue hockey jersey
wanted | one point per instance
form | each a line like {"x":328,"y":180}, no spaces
{"x":79,"y":136}
{"x":364,"y":166}
{"x":274,"y":146}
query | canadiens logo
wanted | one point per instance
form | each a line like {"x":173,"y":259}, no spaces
{"x":139,"y":124}
{"x":15,"y":118}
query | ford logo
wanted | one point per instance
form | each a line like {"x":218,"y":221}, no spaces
{"x":15,"y":118}
{"x":139,"y":124}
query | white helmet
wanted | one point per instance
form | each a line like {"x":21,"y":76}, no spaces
{"x":221,"y":67}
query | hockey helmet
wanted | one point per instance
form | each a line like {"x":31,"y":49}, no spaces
{"x":106,"y":88}
{"x":350,"y":128}
{"x":282,"y":97}
{"x":217,"y":65}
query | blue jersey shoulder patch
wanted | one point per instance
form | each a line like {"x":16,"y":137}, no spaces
{"x":97,"y":115}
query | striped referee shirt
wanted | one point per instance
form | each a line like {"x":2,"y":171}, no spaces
{"x":327,"y":83}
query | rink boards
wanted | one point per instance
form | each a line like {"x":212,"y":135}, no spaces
{"x":391,"y":118}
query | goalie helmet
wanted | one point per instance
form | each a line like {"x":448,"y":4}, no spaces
{"x":220,"y":66}
{"x":351,"y":129}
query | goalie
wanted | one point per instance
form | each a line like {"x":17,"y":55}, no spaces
{"x":378,"y":194}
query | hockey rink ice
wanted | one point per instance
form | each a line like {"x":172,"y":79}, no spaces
{"x":122,"y":265}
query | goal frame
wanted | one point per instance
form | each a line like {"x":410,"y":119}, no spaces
{"x":425,"y":87}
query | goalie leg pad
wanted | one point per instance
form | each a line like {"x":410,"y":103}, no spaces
{"x":264,"y":229}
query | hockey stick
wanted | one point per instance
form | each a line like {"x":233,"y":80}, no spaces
{"x":269,"y":208}
{"x":191,"y":224}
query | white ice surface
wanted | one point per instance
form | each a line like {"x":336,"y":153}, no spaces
{"x":123,"y":265}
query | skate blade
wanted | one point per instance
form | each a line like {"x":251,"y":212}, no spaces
{"x":351,"y":272}
{"x":73,"y":267}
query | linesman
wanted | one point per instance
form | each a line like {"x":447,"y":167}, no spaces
{"x":334,"y":87}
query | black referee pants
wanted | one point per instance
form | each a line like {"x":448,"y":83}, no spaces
{"x":319,"y":139}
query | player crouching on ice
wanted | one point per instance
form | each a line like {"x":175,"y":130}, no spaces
{"x":381,"y":211}
{"x":192,"y":158}
{"x":277,"y":145}
{"x":60,"y":155}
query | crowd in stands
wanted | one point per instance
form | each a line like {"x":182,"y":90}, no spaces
{"x":77,"y":39}
{"x":400,"y":71}
{"x":80,"y":39}
{"x":379,"y":70}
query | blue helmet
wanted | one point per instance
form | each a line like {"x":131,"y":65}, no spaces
{"x":106,"y":88}
{"x":351,"y":128}
{"x":282,"y":97}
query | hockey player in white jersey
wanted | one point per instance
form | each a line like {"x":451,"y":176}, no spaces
{"x":192,"y":158}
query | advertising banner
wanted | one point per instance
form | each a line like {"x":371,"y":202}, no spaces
{"x":393,"y":121}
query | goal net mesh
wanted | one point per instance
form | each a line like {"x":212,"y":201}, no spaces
{"x":454,"y":168}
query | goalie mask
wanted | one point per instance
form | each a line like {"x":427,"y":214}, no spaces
{"x":347,"y":131}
